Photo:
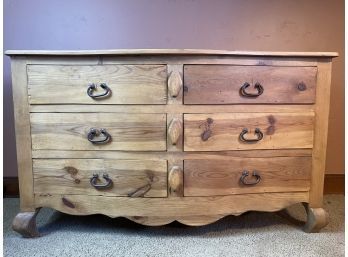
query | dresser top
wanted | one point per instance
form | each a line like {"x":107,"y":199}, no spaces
{"x":167,"y":52}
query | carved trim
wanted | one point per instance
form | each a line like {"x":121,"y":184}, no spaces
{"x":175,"y":182}
{"x":189,"y":220}
{"x":175,"y":130}
{"x":150,"y":221}
{"x":174,"y":83}
{"x":201,"y":220}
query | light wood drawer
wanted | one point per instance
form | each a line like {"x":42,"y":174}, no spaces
{"x":225,"y":177}
{"x":222,"y":84}
{"x":129,"y":84}
{"x":247,"y":131}
{"x":133,"y":178}
{"x":70,"y":131}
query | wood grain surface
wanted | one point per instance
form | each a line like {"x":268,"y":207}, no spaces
{"x":129,"y":84}
{"x":68,"y":131}
{"x":280,"y":131}
{"x":220,"y":84}
{"x":132,"y":178}
{"x":222,"y":177}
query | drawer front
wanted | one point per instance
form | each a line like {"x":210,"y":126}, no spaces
{"x":72,"y":131}
{"x":128,"y":84}
{"x":222,"y":84}
{"x":247,"y":131}
{"x":225,"y":177}
{"x":133,"y":178}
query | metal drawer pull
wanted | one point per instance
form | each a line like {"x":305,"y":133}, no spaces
{"x":257,"y":86}
{"x":93,"y":132}
{"x":245,"y":131}
{"x":93,"y":87}
{"x":95,"y":178}
{"x":245,"y":174}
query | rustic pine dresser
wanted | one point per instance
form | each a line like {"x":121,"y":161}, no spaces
{"x":158,"y":135}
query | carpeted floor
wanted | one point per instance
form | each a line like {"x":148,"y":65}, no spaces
{"x":251,"y":234}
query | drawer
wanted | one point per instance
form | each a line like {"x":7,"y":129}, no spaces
{"x":247,"y":131}
{"x":228,"y":84}
{"x":74,"y":131}
{"x":246,"y":175}
{"x":133,"y":178}
{"x":126,"y":84}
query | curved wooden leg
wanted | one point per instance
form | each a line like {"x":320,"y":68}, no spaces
{"x":317,"y":218}
{"x":25,"y":224}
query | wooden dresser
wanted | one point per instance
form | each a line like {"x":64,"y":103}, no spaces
{"x":163,"y":135}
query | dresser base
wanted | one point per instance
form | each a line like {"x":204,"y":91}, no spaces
{"x":193,"y":211}
{"x":25,"y":222}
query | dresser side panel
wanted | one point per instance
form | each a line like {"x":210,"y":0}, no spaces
{"x":23,"y":138}
{"x":322,"y":108}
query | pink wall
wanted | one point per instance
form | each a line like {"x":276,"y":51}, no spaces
{"x":293,"y":25}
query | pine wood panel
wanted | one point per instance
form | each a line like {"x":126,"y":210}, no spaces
{"x":68,"y":131}
{"x":222,"y":177}
{"x":171,"y":206}
{"x":129,"y":84}
{"x":280,"y":130}
{"x":220,"y":84}
{"x":132,"y":178}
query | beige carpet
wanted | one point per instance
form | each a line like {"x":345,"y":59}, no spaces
{"x":251,"y":234}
